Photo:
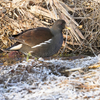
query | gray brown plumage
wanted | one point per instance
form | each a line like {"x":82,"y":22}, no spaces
{"x":41,"y":41}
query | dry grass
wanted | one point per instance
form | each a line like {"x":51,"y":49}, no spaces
{"x":82,"y":17}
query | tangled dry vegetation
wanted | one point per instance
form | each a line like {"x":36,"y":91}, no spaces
{"x":82,"y":17}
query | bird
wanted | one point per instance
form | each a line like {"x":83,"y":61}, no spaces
{"x":40,"y":41}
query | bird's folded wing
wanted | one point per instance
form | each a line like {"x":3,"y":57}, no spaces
{"x":34,"y":36}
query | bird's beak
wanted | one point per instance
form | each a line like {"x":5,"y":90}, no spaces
{"x":68,"y":28}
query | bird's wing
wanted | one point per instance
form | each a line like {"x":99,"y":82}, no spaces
{"x":34,"y":36}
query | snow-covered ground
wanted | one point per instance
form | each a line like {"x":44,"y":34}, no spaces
{"x":45,"y":80}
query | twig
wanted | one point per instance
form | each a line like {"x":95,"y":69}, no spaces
{"x":7,"y":81}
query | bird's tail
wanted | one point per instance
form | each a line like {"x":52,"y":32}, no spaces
{"x":3,"y":50}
